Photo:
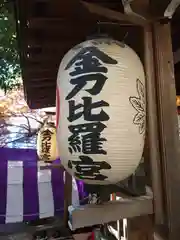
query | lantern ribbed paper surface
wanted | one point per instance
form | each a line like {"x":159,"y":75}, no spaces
{"x":102,"y":112}
{"x":46,"y":143}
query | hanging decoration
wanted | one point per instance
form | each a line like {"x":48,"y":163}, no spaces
{"x":101,"y":111}
{"x":46,"y":143}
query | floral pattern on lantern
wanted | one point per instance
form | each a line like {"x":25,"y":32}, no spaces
{"x":138,"y":103}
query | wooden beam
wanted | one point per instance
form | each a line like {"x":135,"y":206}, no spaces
{"x":171,"y":8}
{"x":35,"y":44}
{"x":177,"y":56}
{"x":56,"y":23}
{"x":114,"y":15}
{"x":43,"y":57}
{"x":152,"y":126}
{"x":34,"y":74}
{"x":44,"y":166}
{"x":139,"y":9}
{"x":90,"y":215}
{"x":18,"y":230}
{"x":168,"y":125}
{"x":37,"y":65}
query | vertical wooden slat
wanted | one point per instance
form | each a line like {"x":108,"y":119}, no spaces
{"x":168,"y":125}
{"x":152,"y":124}
{"x":67,"y":195}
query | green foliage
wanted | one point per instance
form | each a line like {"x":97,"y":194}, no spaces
{"x":9,"y":58}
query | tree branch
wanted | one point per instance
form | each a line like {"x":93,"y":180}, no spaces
{"x":15,"y":140}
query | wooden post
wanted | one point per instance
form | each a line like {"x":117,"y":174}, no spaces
{"x":152,"y":124}
{"x":67,"y":195}
{"x":168,"y":125}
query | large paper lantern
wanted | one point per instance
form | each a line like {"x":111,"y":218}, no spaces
{"x":46,"y":143}
{"x":101,"y":111}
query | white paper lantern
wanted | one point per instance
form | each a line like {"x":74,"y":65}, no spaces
{"x":46,"y":143}
{"x":101,"y":111}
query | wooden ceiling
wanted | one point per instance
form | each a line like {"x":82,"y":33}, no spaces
{"x":175,"y":29}
{"x":47,"y":29}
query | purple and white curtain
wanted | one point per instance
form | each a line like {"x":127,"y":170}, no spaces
{"x":27,"y":192}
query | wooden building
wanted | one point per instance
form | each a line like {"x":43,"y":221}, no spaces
{"x":47,"y":29}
